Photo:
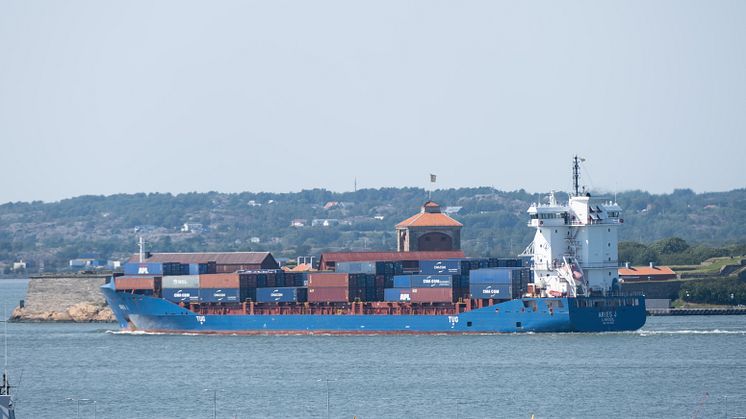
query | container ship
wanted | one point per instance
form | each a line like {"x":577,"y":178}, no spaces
{"x":565,"y":281}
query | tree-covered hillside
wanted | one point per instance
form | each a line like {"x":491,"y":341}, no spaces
{"x":494,"y":221}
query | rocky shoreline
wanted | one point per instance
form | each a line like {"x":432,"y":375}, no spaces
{"x":65,"y":298}
{"x":78,"y":313}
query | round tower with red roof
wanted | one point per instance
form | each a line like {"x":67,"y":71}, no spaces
{"x":430,"y":230}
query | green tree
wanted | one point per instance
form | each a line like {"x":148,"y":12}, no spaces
{"x":637,"y":254}
{"x":670,"y":246}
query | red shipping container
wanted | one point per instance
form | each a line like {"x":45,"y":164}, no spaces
{"x":328,"y":294}
{"x":335,"y":280}
{"x":219,"y":281}
{"x":431,"y":295}
{"x":137,"y":282}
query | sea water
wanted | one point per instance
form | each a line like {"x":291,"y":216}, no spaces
{"x":692,"y":366}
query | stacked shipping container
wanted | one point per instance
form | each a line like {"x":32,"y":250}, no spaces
{"x":328,"y":287}
{"x":494,"y":283}
{"x":281,"y":295}
{"x":272,"y":286}
{"x":146,"y":285}
{"x":168,"y":268}
{"x":220,"y":288}
{"x":181,"y":288}
{"x":421,"y":288}
{"x":431,"y":281}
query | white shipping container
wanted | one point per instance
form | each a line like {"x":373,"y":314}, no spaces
{"x":180,"y":281}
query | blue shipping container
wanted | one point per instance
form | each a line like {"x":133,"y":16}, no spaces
{"x":143,"y":268}
{"x":402,"y":281}
{"x":431,"y":281}
{"x":181,"y":294}
{"x":174,"y":268}
{"x":296,"y":279}
{"x":494,"y":291}
{"x":437,"y":267}
{"x":397,"y":294}
{"x":281,"y":295}
{"x":219,"y":295}
{"x":491,"y":276}
{"x":198,"y":269}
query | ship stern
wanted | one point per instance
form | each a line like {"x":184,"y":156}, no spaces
{"x":607,"y":314}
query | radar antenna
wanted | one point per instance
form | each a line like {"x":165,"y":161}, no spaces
{"x":576,"y":174}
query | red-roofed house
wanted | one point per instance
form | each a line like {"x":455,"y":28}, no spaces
{"x":430,"y":230}
{"x":646,"y":273}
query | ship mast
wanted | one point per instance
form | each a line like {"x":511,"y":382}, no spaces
{"x":141,"y":245}
{"x":576,"y":174}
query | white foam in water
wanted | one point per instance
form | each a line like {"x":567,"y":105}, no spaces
{"x":144,"y":333}
{"x":690,"y":332}
{"x":635,"y":332}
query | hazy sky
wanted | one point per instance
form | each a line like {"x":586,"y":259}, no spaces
{"x":103,"y":97}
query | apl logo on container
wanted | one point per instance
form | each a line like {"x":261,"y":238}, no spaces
{"x":143,"y":269}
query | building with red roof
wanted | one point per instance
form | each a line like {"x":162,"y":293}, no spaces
{"x":646,"y":273}
{"x":430,"y":230}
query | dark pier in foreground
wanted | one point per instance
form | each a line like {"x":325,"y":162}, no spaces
{"x":696,"y":311}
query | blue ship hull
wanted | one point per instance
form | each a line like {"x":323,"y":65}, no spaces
{"x":584,"y":314}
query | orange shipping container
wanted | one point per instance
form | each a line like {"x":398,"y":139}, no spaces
{"x":219,"y":281}
{"x":431,"y":295}
{"x":327,"y":280}
{"x":137,"y":282}
{"x":328,"y":294}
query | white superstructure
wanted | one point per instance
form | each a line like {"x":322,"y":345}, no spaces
{"x":574,"y":251}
